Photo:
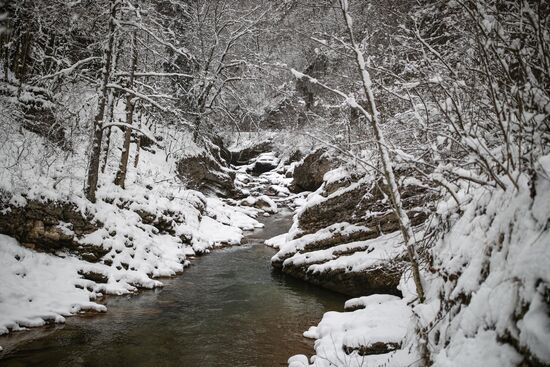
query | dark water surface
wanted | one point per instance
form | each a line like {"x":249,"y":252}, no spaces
{"x":229,"y":309}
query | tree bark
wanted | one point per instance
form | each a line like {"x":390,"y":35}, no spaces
{"x":123,"y":166}
{"x":94,"y":159}
{"x":111,"y":102}
{"x":138,"y":141}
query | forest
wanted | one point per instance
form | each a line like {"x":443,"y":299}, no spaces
{"x":292,"y":183}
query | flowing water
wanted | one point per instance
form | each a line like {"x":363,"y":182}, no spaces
{"x":228,"y":309}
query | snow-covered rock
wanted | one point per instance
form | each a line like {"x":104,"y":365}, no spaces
{"x":367,"y":336}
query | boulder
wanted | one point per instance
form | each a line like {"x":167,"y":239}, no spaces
{"x":264,"y":163}
{"x":203,"y":173}
{"x":308,"y":175}
{"x":246,"y":155}
{"x":262,"y":202}
{"x":375,"y":280}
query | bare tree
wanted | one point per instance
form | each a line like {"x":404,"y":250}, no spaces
{"x":94,"y":160}
{"x":130,"y":104}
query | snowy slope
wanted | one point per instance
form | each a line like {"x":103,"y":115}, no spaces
{"x":39,"y":287}
{"x":487,"y":291}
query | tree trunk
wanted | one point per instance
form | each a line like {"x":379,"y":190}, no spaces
{"x":94,"y":160}
{"x":123,"y":166}
{"x":374,"y":117}
{"x":111,"y":101}
{"x":138,"y":141}
{"x":110,"y":118}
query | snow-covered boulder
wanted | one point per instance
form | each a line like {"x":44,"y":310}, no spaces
{"x":369,"y":336}
{"x":345,"y":258}
{"x":308,"y":174}
{"x":203,"y":173}
{"x":244,"y":154}
{"x":264,"y":163}
{"x":262,"y":202}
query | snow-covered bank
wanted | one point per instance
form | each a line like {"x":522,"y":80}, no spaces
{"x":141,"y":233}
{"x":487,"y":290}
{"x":39,"y":287}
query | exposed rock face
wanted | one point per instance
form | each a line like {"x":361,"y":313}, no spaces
{"x":244,"y":156}
{"x":375,"y":280}
{"x":348,"y":222}
{"x":308,"y":176}
{"x":364,"y":203}
{"x":50,"y":227}
{"x":203,"y":173}
{"x":375,"y":348}
{"x":219,"y":151}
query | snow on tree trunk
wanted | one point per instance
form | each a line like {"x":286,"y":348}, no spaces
{"x":373,"y":117}
{"x":123,"y":166}
{"x":95,"y":154}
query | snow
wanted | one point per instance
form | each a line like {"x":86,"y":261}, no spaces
{"x":277,"y":241}
{"x":366,"y":254}
{"x":534,"y":328}
{"x":39,"y":287}
{"x":382,"y":319}
{"x":215,"y":233}
{"x":483,"y":350}
{"x":297,"y":74}
{"x":335,"y":175}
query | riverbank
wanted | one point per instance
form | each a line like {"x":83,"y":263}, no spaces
{"x":230,"y":297}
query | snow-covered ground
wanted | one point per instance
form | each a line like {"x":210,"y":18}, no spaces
{"x":486,"y":289}
{"x":41,"y":287}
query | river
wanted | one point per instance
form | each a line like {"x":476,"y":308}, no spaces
{"x":230,"y":308}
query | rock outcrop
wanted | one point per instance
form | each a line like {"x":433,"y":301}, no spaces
{"x":308,"y":174}
{"x":247,"y":154}
{"x":50,"y":227}
{"x":205,"y":174}
{"x":347,"y":238}
{"x":364,"y":203}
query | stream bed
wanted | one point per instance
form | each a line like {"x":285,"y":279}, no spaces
{"x":230,"y":308}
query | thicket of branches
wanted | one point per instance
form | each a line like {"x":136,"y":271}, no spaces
{"x":185,"y":63}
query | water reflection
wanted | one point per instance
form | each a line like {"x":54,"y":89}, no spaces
{"x":229,"y":309}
